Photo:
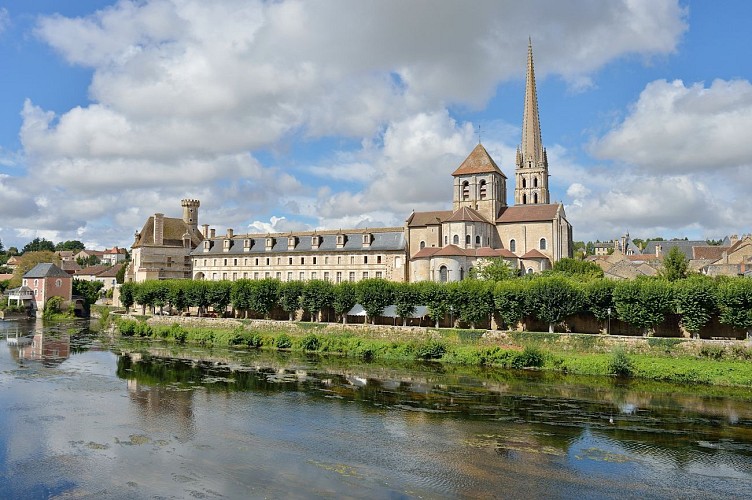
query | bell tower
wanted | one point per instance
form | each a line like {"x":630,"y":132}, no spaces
{"x":531,"y":171}
{"x":480,"y":184}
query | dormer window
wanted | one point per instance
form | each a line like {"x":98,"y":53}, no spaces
{"x":269,"y":243}
{"x":367,"y":238}
{"x":291,"y":242}
{"x":207,"y":245}
{"x":341,"y":240}
{"x":315,"y":241}
{"x":227,"y":245}
{"x":246,"y":244}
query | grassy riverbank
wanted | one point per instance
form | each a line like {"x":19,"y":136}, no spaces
{"x":674,"y":360}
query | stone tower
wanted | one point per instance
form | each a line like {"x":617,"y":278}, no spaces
{"x":531,"y":172}
{"x":480,"y":184}
{"x":190,"y":212}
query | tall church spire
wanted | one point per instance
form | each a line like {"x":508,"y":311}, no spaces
{"x":532,"y":164}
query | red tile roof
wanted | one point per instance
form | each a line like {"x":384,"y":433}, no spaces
{"x":528,"y":213}
{"x":534,"y":254}
{"x":418,"y":219}
{"x":713,"y":252}
{"x":465,"y":214}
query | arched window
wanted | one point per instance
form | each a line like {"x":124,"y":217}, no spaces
{"x":535,"y":182}
{"x":524,"y":182}
{"x":465,"y":190}
{"x":529,"y":270}
{"x":477,"y":240}
{"x":535,"y":197}
{"x":456,"y":239}
{"x":446,"y":240}
{"x":462,"y":274}
{"x":443,"y":274}
{"x":542,"y":244}
{"x":422,"y":245}
{"x":512,"y":246}
{"x":524,"y":199}
{"x":467,"y":239}
{"x":482,"y":190}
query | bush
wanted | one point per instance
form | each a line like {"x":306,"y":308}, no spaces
{"x":256,"y":340}
{"x":530,"y":357}
{"x":710,"y":351}
{"x":310,"y":342}
{"x":283,"y":341}
{"x":432,"y":349}
{"x":620,"y":365}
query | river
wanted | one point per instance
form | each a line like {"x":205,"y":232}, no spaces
{"x":84,"y":418}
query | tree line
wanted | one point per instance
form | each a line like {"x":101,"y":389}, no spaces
{"x":643,"y":303}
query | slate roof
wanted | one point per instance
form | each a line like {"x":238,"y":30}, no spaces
{"x":478,"y":162}
{"x":391,"y":239}
{"x":174,"y":229}
{"x":46,"y":270}
{"x":528,"y":213}
{"x":666,"y":246}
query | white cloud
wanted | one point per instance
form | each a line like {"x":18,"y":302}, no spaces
{"x":677,"y":128}
{"x":4,"y":19}
{"x":185,"y":92}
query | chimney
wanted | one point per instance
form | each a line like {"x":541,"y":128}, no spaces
{"x":212,"y":233}
{"x":658,"y":250}
{"x":725,"y":257}
{"x":205,"y":230}
{"x":229,"y":232}
{"x":159,"y":229}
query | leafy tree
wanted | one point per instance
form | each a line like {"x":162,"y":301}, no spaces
{"x":695,"y":302}
{"x":317,"y":295}
{"x":120,"y":275}
{"x":91,"y":260}
{"x":493,"y":269}
{"x":27,"y":261}
{"x":127,"y":294}
{"x":2,"y":249}
{"x":599,"y":298}
{"x":509,"y":301}
{"x":554,"y":298}
{"x":434,"y":296}
{"x":289,"y":297}
{"x":265,"y":296}
{"x":89,"y":290}
{"x":374,"y":294}
{"x":734,"y":298}
{"x":12,"y":251}
{"x":71,"y":245}
{"x":643,"y":302}
{"x":39,"y":245}
{"x":675,"y":265}
{"x":578,"y":268}
{"x":240,"y":295}
{"x":197,"y":294}
{"x":471,"y":300}
{"x":406,"y":298}
{"x":218,"y":295}
{"x":345,"y":297}
{"x":176,"y":294}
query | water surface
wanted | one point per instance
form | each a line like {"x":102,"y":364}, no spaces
{"x":84,"y":419}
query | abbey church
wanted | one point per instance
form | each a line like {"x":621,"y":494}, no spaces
{"x":441,"y":246}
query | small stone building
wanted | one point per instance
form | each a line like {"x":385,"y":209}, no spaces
{"x":48,"y":280}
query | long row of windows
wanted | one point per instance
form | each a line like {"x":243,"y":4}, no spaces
{"x":542,"y":244}
{"x":291,"y":276}
{"x":290,"y":261}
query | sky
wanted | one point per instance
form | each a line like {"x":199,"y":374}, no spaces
{"x":289,"y":115}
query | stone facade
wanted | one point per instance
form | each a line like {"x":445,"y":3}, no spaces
{"x":46,"y":281}
{"x":162,"y":248}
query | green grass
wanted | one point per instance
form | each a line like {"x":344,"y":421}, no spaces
{"x":582,"y":355}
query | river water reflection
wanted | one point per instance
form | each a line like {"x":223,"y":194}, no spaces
{"x":84,"y":419}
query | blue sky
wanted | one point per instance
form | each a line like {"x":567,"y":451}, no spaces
{"x":287,"y":115}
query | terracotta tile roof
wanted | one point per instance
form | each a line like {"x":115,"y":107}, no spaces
{"x":426,"y":252}
{"x":528,"y":213}
{"x":418,"y":219}
{"x":454,"y":250}
{"x":713,"y":252}
{"x":451,"y":250}
{"x":466,"y":214}
{"x":5,"y":277}
{"x":534,"y":254}
{"x":642,"y":257}
{"x":92,"y":270}
{"x":478,"y":162}
{"x":69,"y":265}
{"x":110,"y":272}
{"x":495,"y":252}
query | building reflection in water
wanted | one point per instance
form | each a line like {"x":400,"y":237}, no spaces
{"x":50,"y":350}
{"x":160,"y":405}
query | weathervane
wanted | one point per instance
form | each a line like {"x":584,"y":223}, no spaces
{"x":479,"y":133}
